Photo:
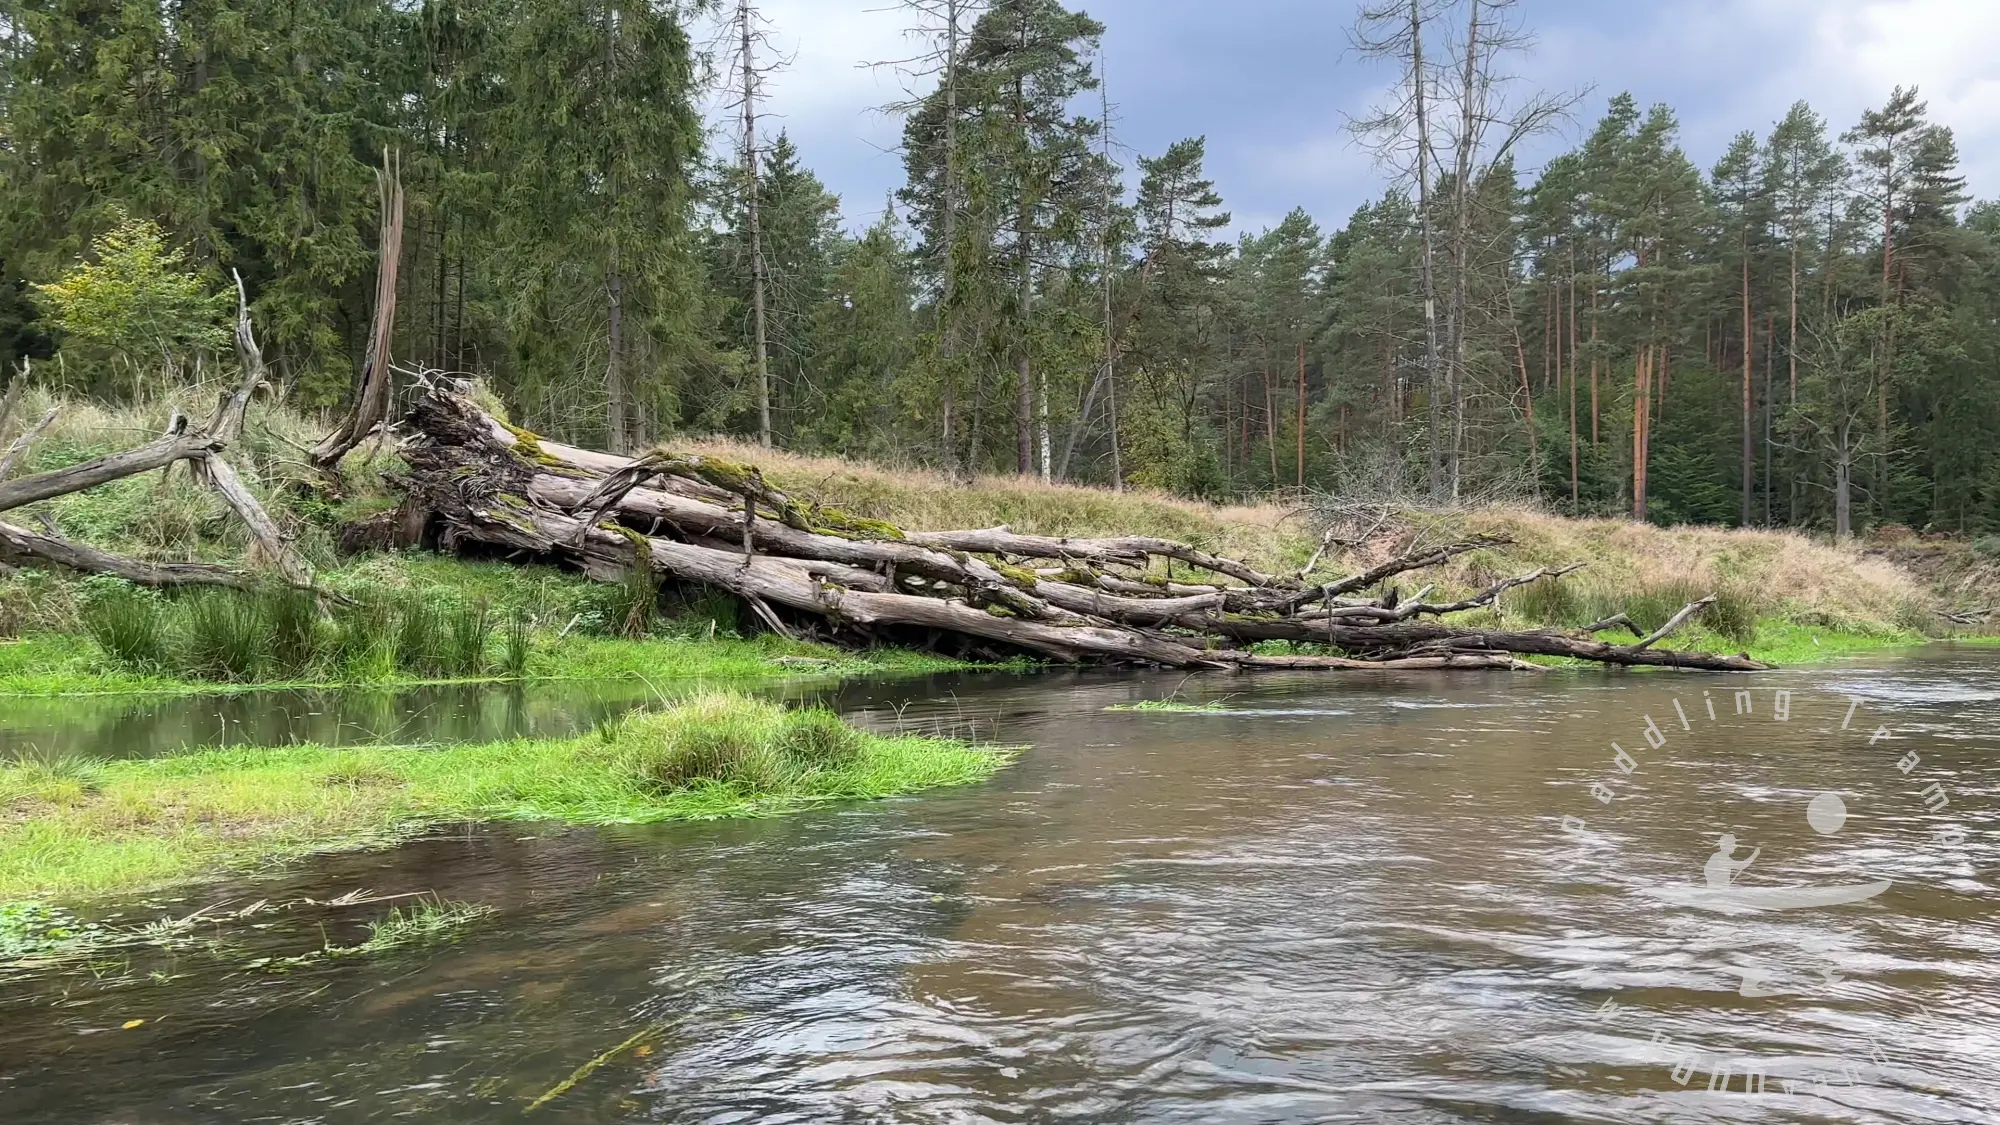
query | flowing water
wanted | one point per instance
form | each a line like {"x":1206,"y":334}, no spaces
{"x":1338,"y":898}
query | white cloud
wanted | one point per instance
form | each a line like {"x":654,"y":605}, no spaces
{"x":1269,"y":82}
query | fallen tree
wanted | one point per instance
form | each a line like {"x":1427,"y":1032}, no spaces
{"x":803,"y":569}
{"x":200,"y":446}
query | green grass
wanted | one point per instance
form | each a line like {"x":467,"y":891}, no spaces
{"x":128,"y":825}
{"x":415,"y":619}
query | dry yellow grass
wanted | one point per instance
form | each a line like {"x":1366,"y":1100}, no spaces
{"x":923,"y":500}
{"x":1786,"y":574}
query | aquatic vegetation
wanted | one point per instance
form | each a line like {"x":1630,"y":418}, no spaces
{"x":1172,"y":706}
{"x":428,"y":922}
{"x":147,"y":822}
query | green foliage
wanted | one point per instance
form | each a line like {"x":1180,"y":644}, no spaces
{"x":136,"y":301}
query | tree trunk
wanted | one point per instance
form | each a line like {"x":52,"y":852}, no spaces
{"x":1642,"y":406}
{"x":751,"y":202}
{"x":1433,"y":380}
{"x":488,"y":488}
{"x":1749,"y":449}
{"x":1301,"y":412}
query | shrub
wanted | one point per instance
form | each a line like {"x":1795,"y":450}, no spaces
{"x":818,"y":739}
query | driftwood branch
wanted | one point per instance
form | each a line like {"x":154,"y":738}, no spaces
{"x":21,"y":547}
{"x":1674,"y":623}
{"x":201,"y":448}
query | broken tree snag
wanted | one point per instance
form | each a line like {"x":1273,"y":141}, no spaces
{"x":810,"y":571}
{"x":19,"y":449}
{"x":371,"y":392}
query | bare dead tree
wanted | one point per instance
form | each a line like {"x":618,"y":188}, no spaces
{"x":1399,"y":135}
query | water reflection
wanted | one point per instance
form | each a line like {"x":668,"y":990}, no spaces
{"x":1326,"y":904}
{"x":140,"y":726}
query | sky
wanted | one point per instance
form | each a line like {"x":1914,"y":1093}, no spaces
{"x":1272,"y":83}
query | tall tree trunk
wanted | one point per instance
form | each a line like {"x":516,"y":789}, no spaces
{"x":1270,"y":421}
{"x":948,"y":308}
{"x":1792,"y":349}
{"x":1594,"y":439}
{"x":1575,"y":489}
{"x":1024,"y":391}
{"x":1749,"y":449}
{"x":615,"y":419}
{"x":1461,"y":248}
{"x":1302,"y":416}
{"x":1432,"y":377}
{"x":1642,"y":406}
{"x":761,"y":356}
{"x":1770,"y":345}
{"x":1843,"y":484}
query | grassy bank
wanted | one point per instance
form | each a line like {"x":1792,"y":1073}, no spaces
{"x":1784,"y":596}
{"x":73,"y":828}
{"x":417,"y":618}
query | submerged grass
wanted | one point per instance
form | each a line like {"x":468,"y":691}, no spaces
{"x":1171,"y":706}
{"x":142,"y":823}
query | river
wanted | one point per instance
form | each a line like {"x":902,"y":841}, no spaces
{"x":1337,"y":898}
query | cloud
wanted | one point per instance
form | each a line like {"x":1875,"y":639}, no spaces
{"x":1270,"y":83}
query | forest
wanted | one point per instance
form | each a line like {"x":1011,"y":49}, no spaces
{"x":1795,"y":336}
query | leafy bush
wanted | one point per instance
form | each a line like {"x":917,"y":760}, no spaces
{"x":136,"y":299}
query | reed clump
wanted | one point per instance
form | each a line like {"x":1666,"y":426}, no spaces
{"x":235,"y":636}
{"x":731,"y":740}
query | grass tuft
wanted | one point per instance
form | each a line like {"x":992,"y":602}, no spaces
{"x":427,"y":923}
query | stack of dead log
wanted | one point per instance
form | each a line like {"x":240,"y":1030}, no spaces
{"x":806,"y":570}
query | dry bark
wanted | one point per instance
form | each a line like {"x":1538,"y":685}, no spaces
{"x":710,"y":522}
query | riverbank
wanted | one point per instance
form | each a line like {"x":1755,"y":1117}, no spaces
{"x":73,"y":828}
{"x":1783,"y":597}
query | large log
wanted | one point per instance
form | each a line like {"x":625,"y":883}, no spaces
{"x":712,"y":523}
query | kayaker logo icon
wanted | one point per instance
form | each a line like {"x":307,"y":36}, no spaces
{"x":1721,"y":891}
{"x":1743,"y":885}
